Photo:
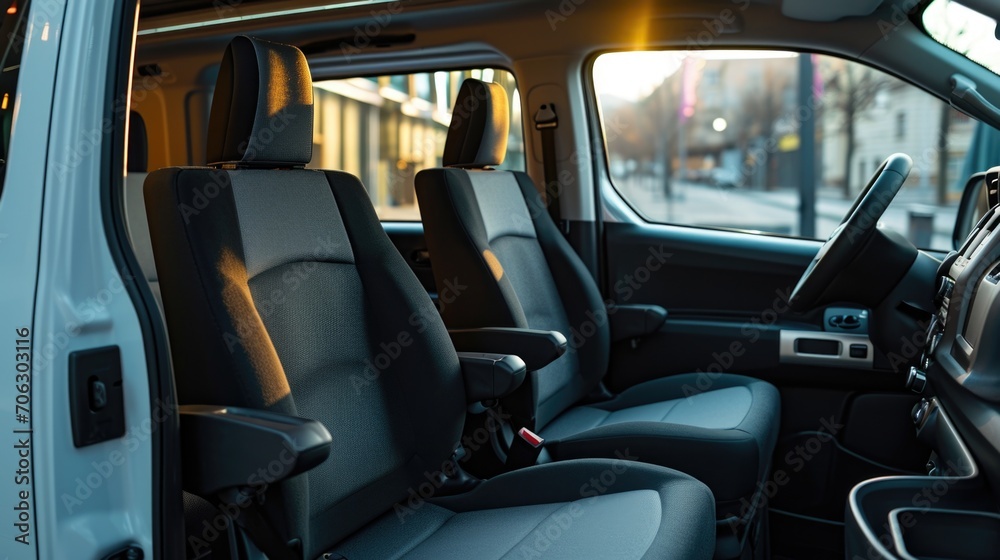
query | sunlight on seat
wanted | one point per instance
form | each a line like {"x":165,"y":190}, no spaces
{"x":494,"y":263}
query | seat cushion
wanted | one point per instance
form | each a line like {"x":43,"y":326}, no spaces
{"x":720,"y":429}
{"x":626,"y":510}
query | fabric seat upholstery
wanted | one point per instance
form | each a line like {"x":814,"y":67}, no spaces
{"x":557,"y":511}
{"x":282,"y":293}
{"x":492,"y":230}
{"x":718,"y":434}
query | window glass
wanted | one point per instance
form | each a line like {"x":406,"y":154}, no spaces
{"x":386,"y":130}
{"x":13,"y":21}
{"x":965,"y":31}
{"x":711,"y":138}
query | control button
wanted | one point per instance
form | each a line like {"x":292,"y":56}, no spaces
{"x":98,"y":394}
{"x":935,"y":341}
{"x":916,"y":381}
{"x":945,"y":287}
{"x":932,"y":330}
{"x":920,"y":411}
{"x":859,"y":351}
{"x":846,"y":322}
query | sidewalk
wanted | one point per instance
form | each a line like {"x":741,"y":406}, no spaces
{"x":772,"y":211}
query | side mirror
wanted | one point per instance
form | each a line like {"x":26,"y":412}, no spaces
{"x":981,"y":193}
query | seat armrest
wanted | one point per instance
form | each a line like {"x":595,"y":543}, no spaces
{"x":537,"y":348}
{"x":634,"y":321}
{"x":225,"y":447}
{"x":490,"y":376}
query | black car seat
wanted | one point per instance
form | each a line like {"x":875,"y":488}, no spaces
{"x":491,"y":229}
{"x":281,"y":289}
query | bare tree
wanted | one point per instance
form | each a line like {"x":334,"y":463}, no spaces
{"x":953,"y":37}
{"x":852,"y":91}
{"x":760,"y":111}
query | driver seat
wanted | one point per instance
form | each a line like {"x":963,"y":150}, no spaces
{"x":490,"y":229}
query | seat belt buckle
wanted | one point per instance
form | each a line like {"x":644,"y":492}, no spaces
{"x":525,"y":449}
{"x":534,"y":439}
{"x":546,"y":117}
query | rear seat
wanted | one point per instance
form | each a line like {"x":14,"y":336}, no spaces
{"x":135,"y":206}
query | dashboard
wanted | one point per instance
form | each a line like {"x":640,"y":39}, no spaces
{"x":961,"y":359}
{"x":959,"y":419}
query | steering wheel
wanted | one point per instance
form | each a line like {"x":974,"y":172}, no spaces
{"x":850,"y":237}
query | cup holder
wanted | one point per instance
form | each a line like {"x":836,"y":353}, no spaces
{"x":922,"y":534}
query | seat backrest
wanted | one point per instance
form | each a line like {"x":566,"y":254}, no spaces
{"x":489,"y":234}
{"x":282,"y":292}
{"x":135,"y":205}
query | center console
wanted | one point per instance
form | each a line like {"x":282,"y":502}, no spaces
{"x":952,"y":512}
{"x":911,"y":516}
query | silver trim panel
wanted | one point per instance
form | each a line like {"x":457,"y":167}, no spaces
{"x":788,"y":355}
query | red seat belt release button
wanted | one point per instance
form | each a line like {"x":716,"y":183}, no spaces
{"x":524,"y":450}
{"x":532,"y":438}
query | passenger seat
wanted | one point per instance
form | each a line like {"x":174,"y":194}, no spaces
{"x":282,"y":291}
{"x":490,"y":229}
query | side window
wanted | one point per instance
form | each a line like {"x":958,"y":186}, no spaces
{"x":385,"y":129}
{"x":711,"y":139}
{"x":13,"y":21}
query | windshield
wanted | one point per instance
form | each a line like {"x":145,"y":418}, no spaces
{"x":964,"y":30}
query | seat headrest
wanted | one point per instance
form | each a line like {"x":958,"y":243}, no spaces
{"x":138,"y":150}
{"x":262,"y":109}
{"x":477,"y":136}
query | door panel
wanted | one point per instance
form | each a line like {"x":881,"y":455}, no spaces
{"x":726,"y":294}
{"x":725,"y":273}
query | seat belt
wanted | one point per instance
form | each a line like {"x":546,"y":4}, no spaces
{"x":546,"y":122}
